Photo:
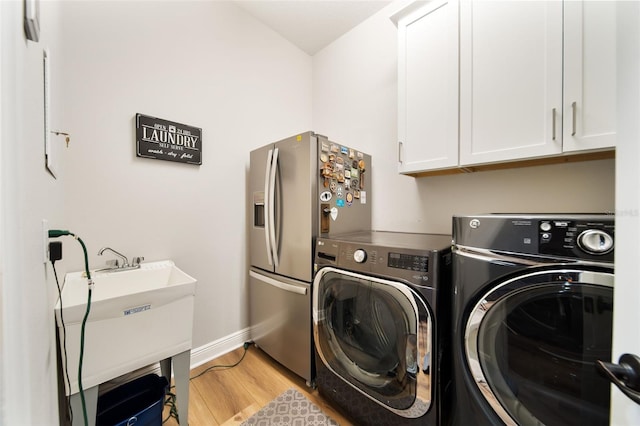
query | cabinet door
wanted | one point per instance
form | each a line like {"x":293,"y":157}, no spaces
{"x":590,"y":75}
{"x":428,"y":88}
{"x":510,"y":80}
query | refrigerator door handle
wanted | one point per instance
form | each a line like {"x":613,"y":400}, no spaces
{"x":267,"y":207}
{"x":278,"y":284}
{"x":272,"y":207}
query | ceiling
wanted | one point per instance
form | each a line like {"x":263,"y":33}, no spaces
{"x":311,"y":24}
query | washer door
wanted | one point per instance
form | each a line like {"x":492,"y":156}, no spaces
{"x":532,"y":343}
{"x":375,"y":334}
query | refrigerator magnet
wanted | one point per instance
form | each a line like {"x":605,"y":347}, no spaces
{"x":334,"y":213}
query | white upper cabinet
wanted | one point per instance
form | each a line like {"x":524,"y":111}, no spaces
{"x":428,"y":87}
{"x":525,"y":80}
{"x":589,"y":75}
{"x":510,"y":80}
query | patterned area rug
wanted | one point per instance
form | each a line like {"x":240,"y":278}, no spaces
{"x":290,"y":409}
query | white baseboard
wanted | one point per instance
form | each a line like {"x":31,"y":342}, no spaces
{"x":212,"y":350}
{"x":199,"y":356}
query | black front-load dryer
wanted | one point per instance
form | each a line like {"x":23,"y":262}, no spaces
{"x":380,"y":310}
{"x":533,"y":305}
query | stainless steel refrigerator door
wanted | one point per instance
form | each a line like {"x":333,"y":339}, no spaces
{"x":343,"y":189}
{"x":258,"y":235}
{"x":300,"y":188}
{"x":280,"y":314}
{"x":295,"y":198}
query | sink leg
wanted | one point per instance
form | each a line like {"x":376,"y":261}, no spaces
{"x":91,"y":401}
{"x":181,"y":368}
{"x":165,"y":368}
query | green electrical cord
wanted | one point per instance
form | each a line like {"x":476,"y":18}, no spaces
{"x":55,"y":233}
{"x":170,"y":400}
{"x":64,"y":341}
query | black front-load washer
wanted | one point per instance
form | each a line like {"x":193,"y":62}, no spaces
{"x":533,"y":305}
{"x":380,"y":309}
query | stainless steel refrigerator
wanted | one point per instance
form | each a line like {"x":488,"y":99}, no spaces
{"x":300,"y":188}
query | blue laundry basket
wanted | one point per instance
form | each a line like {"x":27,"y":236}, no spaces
{"x":136,"y":403}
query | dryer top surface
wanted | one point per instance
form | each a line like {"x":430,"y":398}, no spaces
{"x":397,"y":240}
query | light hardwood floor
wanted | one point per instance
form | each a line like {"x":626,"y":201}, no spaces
{"x":229,"y":396}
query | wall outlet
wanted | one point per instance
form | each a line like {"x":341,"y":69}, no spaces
{"x":45,"y":241}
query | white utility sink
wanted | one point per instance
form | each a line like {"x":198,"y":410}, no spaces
{"x":138,"y":317}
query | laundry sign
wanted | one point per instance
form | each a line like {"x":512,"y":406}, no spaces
{"x":166,"y":140}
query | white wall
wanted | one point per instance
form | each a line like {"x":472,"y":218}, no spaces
{"x":2,"y":227}
{"x":626,"y":337}
{"x":355,"y":100}
{"x":206,"y":64}
{"x":28,"y":195}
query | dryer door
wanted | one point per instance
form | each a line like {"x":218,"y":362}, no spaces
{"x":376,"y":335}
{"x":532,"y":344}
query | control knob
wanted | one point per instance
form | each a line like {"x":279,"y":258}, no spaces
{"x":545,"y":226}
{"x":359,"y":256}
{"x":595,"y":241}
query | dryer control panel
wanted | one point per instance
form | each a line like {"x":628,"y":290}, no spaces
{"x":570,"y":238}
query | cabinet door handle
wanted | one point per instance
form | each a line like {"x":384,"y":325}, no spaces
{"x":553,"y":124}
{"x":573,"y":118}
{"x":399,"y":151}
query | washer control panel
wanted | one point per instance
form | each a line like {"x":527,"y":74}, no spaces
{"x":409,"y":262}
{"x":415,"y":258}
{"x":572,"y":237}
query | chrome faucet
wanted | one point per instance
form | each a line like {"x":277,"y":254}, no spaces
{"x":114,"y":265}
{"x":125,"y":263}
